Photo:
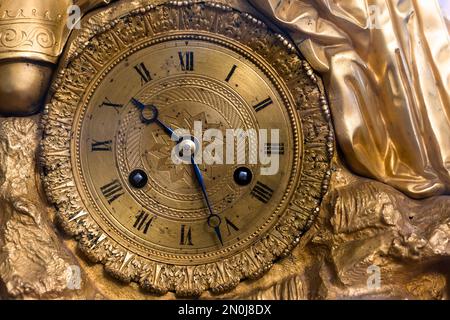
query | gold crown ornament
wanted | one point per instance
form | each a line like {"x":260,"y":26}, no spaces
{"x":32,"y":36}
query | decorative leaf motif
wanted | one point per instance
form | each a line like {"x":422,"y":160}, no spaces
{"x":140,"y":27}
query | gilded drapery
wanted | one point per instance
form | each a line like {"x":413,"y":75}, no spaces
{"x":386,"y":66}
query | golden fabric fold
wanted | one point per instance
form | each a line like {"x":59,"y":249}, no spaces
{"x":386,"y":66}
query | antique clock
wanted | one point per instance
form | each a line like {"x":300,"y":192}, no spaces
{"x":139,"y":75}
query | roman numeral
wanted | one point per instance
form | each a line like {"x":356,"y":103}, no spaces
{"x":143,"y":222}
{"x":230,"y":75}
{"x":109,"y":104}
{"x":112,"y":191}
{"x":102,"y":145}
{"x":186,"y":60}
{"x":142,"y":70}
{"x":186,"y":236}
{"x":274,"y":148}
{"x":262,"y":192}
{"x":263,"y":104}
{"x":230,"y":225}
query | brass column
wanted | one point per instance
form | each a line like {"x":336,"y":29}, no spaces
{"x":32,"y":36}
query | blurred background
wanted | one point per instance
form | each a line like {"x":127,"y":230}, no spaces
{"x":445,"y":4}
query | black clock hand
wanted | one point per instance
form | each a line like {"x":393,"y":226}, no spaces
{"x":153,"y":118}
{"x":214,"y":220}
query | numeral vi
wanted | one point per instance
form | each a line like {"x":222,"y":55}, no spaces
{"x":186,"y":236}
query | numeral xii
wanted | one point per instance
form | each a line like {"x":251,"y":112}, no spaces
{"x":186,"y":60}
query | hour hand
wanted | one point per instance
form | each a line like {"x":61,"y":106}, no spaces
{"x":137,"y":103}
{"x":149,"y":114}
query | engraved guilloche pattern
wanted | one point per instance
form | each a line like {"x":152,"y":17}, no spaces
{"x":188,"y":62}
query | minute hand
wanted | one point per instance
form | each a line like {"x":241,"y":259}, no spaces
{"x":212,"y":216}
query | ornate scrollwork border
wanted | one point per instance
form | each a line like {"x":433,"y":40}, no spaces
{"x":149,"y":21}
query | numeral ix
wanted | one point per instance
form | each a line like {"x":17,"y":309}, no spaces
{"x":102,"y":145}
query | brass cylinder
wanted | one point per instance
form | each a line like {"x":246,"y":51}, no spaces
{"x":32,"y":36}
{"x":23,"y":86}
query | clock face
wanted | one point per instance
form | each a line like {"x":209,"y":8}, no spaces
{"x":192,"y":84}
{"x":187,"y":146}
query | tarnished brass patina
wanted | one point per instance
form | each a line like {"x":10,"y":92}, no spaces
{"x":194,"y":62}
{"x":32,"y":36}
{"x":23,"y":86}
{"x":385,"y":66}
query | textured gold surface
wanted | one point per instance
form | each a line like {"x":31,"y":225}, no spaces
{"x":33,"y":34}
{"x":220,"y":38}
{"x":32,"y":29}
{"x":362,"y":222}
{"x":386,"y":66}
{"x":33,"y":262}
{"x":36,"y":29}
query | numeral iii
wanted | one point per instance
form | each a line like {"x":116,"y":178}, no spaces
{"x":262,"y":192}
{"x":263,"y":104}
{"x":274,"y":148}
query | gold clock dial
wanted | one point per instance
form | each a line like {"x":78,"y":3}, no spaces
{"x":167,"y":219}
{"x":186,"y":80}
